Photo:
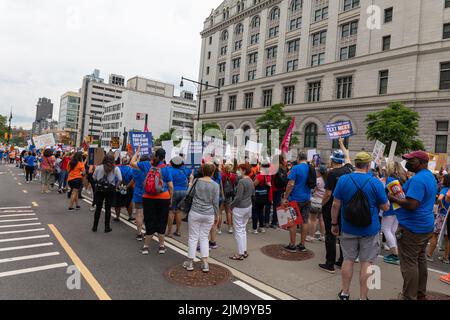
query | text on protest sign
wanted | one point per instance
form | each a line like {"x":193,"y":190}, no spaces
{"x":338,"y":130}
{"x":143,"y":139}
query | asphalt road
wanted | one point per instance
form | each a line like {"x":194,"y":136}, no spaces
{"x":37,"y":268}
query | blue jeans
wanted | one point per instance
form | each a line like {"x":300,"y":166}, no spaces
{"x":62,"y":179}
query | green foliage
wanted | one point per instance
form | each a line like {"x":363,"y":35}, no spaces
{"x":210,"y":125}
{"x":395,"y":123}
{"x":3,"y":127}
{"x":166,"y":136}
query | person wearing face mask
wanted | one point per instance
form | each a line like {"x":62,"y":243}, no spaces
{"x":416,"y":224}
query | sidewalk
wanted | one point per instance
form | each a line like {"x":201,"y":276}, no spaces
{"x":303,"y":279}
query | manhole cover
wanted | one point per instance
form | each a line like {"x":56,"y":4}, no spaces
{"x":197,"y":279}
{"x":278,"y":252}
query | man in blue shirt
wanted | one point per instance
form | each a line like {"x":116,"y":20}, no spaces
{"x":362,"y":242}
{"x":416,"y":224}
{"x":299,"y":191}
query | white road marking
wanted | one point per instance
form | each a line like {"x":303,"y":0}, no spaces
{"x":25,"y":238}
{"x":31,"y":246}
{"x":437,"y":271}
{"x":35,"y":204}
{"x":18,"y":220}
{"x":19,"y":183}
{"x":34,"y":256}
{"x":22,"y":231}
{"x":21,"y":225}
{"x":16,"y":211}
{"x":8,"y":208}
{"x":253,"y":290}
{"x":25,"y":191}
{"x":35,"y":269}
{"x":18,"y":215}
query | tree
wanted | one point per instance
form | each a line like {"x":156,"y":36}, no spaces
{"x":208,"y":126}
{"x":3,"y":126}
{"x":276,"y":118}
{"x":166,"y":136}
{"x":395,"y":123}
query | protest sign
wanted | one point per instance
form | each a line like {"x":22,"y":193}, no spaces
{"x":115,"y":143}
{"x":43,"y":141}
{"x":143,"y":139}
{"x":253,"y":147}
{"x":441,"y":162}
{"x":338,"y":130}
{"x":311,"y":154}
{"x":194,"y":155}
{"x":392,"y":151}
{"x":378,"y":152}
{"x":96,"y":156}
{"x":168,"y":147}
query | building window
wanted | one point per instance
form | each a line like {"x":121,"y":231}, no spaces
{"x":223,"y":50}
{"x":235,"y":79}
{"x":289,"y":95}
{"x":383,"y":82}
{"x":386,"y":43}
{"x":256,"y":22}
{"x":317,"y":59}
{"x":251,"y":75}
{"x":445,"y":76}
{"x":441,"y":144}
{"x":319,"y":38}
{"x":349,"y":29}
{"x":210,"y":40}
{"x":344,"y":87}
{"x":267,"y":98}
{"x":293,"y":46}
{"x":314,"y":89}
{"x":253,"y":58}
{"x":254,"y":39}
{"x":447,"y":3}
{"x":274,"y":31}
{"x":238,"y":45}
{"x":292,"y":65}
{"x":224,"y":36}
{"x":321,"y":14}
{"x":350,"y":4}
{"x":221,"y":82}
{"x":274,"y":14}
{"x":388,"y":15}
{"x":222,"y":67}
{"x":232,"y":103}
{"x":270,"y":70}
{"x":236,"y":63}
{"x":209,"y":55}
{"x":446,"y":31}
{"x":218,"y":105}
{"x":442,"y":126}
{"x":249,"y":100}
{"x":295,"y":24}
{"x":271,"y":52}
{"x":207,"y":70}
{"x":204,"y":106}
{"x":296,"y":5}
{"x":348,"y":52}
{"x":239,"y":29}
{"x":311,"y":134}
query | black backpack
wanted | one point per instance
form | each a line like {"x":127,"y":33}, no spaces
{"x":228,"y":188}
{"x":358,"y":212}
{"x":311,"y":182}
{"x":281,"y":179}
{"x":262,"y":193}
{"x":103,"y":185}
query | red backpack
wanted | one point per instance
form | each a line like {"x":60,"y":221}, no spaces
{"x":154,"y":183}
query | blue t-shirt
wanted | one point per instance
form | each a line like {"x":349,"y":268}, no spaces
{"x":127,"y":174}
{"x":423,"y":188}
{"x":375,"y":194}
{"x":391,"y":211}
{"x":180,"y":180}
{"x":30,"y":161}
{"x":446,"y":205}
{"x":165,"y":173}
{"x":139,"y":178}
{"x":301,"y":192}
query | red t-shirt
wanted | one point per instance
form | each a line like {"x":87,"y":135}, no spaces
{"x":265,"y":180}
{"x":65,"y":163}
{"x":229,"y":175}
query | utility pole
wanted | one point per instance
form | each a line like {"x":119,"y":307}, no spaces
{"x":9,"y":127}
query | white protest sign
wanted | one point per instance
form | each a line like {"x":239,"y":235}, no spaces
{"x":253,"y":147}
{"x":378,"y":152}
{"x":168,"y":147}
{"x":432,"y":165}
{"x":46,"y":140}
{"x":311,"y":154}
{"x":392,"y":151}
{"x":184,"y":146}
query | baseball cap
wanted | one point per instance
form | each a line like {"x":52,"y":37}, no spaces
{"x":178,"y":161}
{"x":338,"y":157}
{"x":421,"y":155}
{"x":363,"y":157}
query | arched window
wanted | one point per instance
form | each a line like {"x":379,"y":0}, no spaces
{"x":311,"y":134}
{"x":239,"y":28}
{"x":224,"y":35}
{"x":274,"y":14}
{"x":256,"y":22}
{"x":247,"y":133}
{"x":296,"y":5}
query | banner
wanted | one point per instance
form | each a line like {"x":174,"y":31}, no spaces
{"x":378,"y":152}
{"x":287,"y":139}
{"x":46,"y":140}
{"x":143,"y":139}
{"x":115,"y":143}
{"x":338,"y":130}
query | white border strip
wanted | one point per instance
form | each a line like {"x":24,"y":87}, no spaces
{"x":21,"y":225}
{"x":34,"y":256}
{"x":39,"y":245}
{"x":35,"y":269}
{"x":21,"y":231}
{"x":253,"y":290}
{"x":25,"y":238}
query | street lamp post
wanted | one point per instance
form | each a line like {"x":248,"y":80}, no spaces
{"x":9,"y":128}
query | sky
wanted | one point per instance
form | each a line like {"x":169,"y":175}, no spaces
{"x":47,"y":46}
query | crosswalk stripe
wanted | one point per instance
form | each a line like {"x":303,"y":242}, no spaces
{"x":33,"y":256}
{"x":8,"y":208}
{"x":31,"y":246}
{"x":16,"y":211}
{"x":22,"y":231}
{"x":18,"y":220}
{"x":21,"y":225}
{"x":18,"y":215}
{"x":25,"y":238}
{"x":35,"y":269}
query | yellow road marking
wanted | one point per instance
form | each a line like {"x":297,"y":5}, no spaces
{"x":96,"y":287}
{"x":35,"y":204}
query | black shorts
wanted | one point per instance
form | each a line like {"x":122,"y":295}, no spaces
{"x":76,"y":184}
{"x":156,"y":214}
{"x":120,"y":200}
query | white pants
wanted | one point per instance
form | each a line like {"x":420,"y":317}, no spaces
{"x":240,"y":220}
{"x":199,"y":227}
{"x":389,"y":226}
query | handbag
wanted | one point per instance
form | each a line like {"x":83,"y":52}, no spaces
{"x":316,"y":205}
{"x":186,"y":204}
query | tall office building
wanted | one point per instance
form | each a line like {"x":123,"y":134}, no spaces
{"x":94,"y":95}
{"x":68,"y":114}
{"x":328,"y":60}
{"x":44,"y":109}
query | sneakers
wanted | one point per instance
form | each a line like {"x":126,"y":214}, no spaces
{"x":219,"y":232}
{"x":71,"y":209}
{"x":78,"y":208}
{"x":162,"y":250}
{"x":338,"y":264}
{"x":327,"y":268}
{"x":213,"y":245}
{"x":140,"y":237}
{"x":301,"y":248}
{"x":92,"y":209}
{"x":310,"y":239}
{"x":188,"y":265}
{"x":230,"y":230}
{"x":144,"y":251}
{"x":205,"y":267}
{"x":445,"y":279}
{"x":262,"y":230}
{"x":343,"y":296}
{"x":430,"y":259}
{"x":290,"y":248}
{"x":108,"y":230}
{"x":255,"y":232}
{"x":443,"y":260}
{"x":392,"y":259}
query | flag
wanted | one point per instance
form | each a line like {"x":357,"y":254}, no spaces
{"x":287,"y":139}
{"x":145,"y":128}
{"x":85,"y":146}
